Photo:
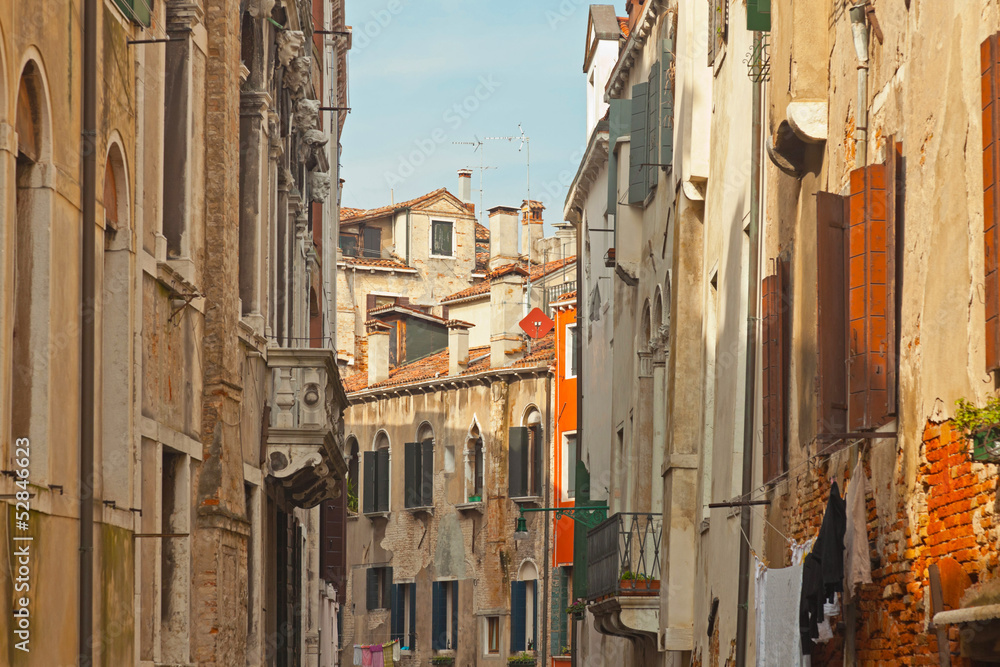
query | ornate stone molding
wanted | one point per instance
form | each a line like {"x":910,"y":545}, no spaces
{"x":183,"y":16}
{"x":298,"y":74}
{"x":306,"y":115}
{"x":260,"y":9}
{"x":319,"y":186}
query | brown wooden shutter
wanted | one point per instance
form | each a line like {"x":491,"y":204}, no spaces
{"x":332,"y":536}
{"x":831,"y":301}
{"x":369,"y":304}
{"x":990,"y":53}
{"x":870,"y":299}
{"x":774,"y":307}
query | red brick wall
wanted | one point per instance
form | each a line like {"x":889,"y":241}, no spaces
{"x":950,"y":513}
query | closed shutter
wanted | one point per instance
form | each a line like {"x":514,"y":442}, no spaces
{"x":371,"y":588}
{"x":397,"y":615}
{"x":518,"y":608}
{"x":618,"y":126}
{"x":774,"y":307}
{"x":869,"y":310}
{"x":538,"y":451}
{"x":759,"y":15}
{"x":411,"y":637}
{"x":382,"y":479}
{"x":386,"y":588}
{"x":454,"y":614}
{"x":990,"y":53}
{"x":667,"y":105}
{"x":518,"y":462}
{"x":427,"y":473}
{"x":369,"y":304}
{"x":332,"y":535}
{"x":831,"y":301}
{"x":411,"y":474}
{"x":478,"y":485}
{"x":137,"y":11}
{"x":559,"y":603}
{"x":369,"y":482}
{"x":439,"y":611}
{"x":653,"y":123}
{"x":637,"y":184}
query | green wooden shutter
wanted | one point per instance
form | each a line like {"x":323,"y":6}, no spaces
{"x":137,"y":11}
{"x":439,"y":614}
{"x":427,"y":473}
{"x":653,"y":125}
{"x":559,"y":604}
{"x":637,"y":184}
{"x":517,"y":462}
{"x":618,"y":126}
{"x":382,"y":479}
{"x":759,"y":15}
{"x":386,"y":588}
{"x":397,"y":611}
{"x":538,"y":461}
{"x":369,"y":481}
{"x":454,"y":615}
{"x":667,"y":104}
{"x":371,"y":588}
{"x":518,"y":608}
{"x":411,"y":638}
{"x":411,"y":475}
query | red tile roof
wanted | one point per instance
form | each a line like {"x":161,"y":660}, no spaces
{"x":537,"y":272}
{"x":482,"y":233}
{"x":352,"y":215}
{"x":623,"y":24}
{"x":436,"y":366}
{"x":568,"y":297}
{"x":482,"y":261}
{"x":397,"y":307}
{"x":381,"y":263}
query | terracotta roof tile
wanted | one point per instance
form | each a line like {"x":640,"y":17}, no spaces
{"x":482,"y":261}
{"x":568,"y":297}
{"x":351,"y":215}
{"x":381,"y":310}
{"x":482,"y":233}
{"x":623,"y":23}
{"x":537,"y":272}
{"x":381,"y":263}
{"x":436,"y":366}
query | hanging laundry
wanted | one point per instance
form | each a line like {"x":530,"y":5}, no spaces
{"x":377,"y":657}
{"x":777,"y":617}
{"x":857,"y":562}
{"x":357,"y":656}
{"x":366,"y":656}
{"x":830,"y":610}
{"x":388,"y":650}
{"x":823,"y":571}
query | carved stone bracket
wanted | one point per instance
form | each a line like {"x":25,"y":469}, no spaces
{"x":319,"y":186}
{"x":255,"y":103}
{"x":307,"y":114}
{"x":297,"y":76}
{"x":289,"y":45}
{"x":184,"y":16}
{"x":260,"y":9}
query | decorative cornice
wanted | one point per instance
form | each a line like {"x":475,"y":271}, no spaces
{"x":636,"y":41}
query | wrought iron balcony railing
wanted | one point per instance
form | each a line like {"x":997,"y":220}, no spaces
{"x":623,"y":556}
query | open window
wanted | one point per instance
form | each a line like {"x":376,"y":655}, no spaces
{"x":445,"y":615}
{"x":378,"y":584}
{"x":352,"y":474}
{"x":442,"y":238}
{"x":524,"y":610}
{"x":474,"y":465}
{"x":404,"y":615}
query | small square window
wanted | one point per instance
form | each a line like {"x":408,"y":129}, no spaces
{"x":442,"y":239}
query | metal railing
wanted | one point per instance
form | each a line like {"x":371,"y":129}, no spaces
{"x":552,"y":293}
{"x":623,"y":556}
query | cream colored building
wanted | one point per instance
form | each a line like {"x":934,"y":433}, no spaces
{"x":216,"y":432}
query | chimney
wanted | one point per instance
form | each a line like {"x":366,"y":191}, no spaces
{"x":458,"y":346}
{"x":506,"y":312}
{"x":566,"y":238}
{"x":503,"y":236}
{"x":532,"y":230}
{"x":378,"y":351}
{"x":465,"y":185}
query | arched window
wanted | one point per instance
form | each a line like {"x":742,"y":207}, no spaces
{"x":32,"y":217}
{"x":352,"y":474}
{"x":375,"y":495}
{"x":524,"y":609}
{"x":475,"y":465}
{"x":646,"y":330}
{"x":418,"y":473}
{"x":525,"y":456}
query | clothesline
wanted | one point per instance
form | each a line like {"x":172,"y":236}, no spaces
{"x":377,"y":655}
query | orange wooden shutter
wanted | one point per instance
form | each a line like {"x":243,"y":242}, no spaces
{"x":990,"y":54}
{"x":773,"y":309}
{"x":831,"y":304}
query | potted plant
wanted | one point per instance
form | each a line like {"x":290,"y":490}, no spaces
{"x":475,"y":499}
{"x":577,"y":608}
{"x":566,"y":650}
{"x":443,"y":660}
{"x":981,"y":426}
{"x":352,"y":497}
{"x":522,"y":659}
{"x":627,"y":580}
{"x":637,"y":583}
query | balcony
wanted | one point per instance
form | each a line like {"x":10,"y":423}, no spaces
{"x":623,"y":577}
{"x":306,"y":401}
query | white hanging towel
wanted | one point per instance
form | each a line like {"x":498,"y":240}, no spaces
{"x":778,"y":641}
{"x":857,"y":562}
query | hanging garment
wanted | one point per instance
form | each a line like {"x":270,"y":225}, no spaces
{"x":357,"y":656}
{"x":830,"y":610}
{"x":366,"y":656}
{"x":857,"y":562}
{"x":387,"y":653}
{"x":377,"y":656}
{"x":823,"y":571}
{"x":778,"y":628}
{"x":760,"y":585}
{"x":395,"y":650}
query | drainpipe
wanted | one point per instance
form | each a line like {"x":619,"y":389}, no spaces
{"x":749,"y":407}
{"x":859,"y":27}
{"x":550,"y":503}
{"x":408,"y":236}
{"x":87,"y":314}
{"x":580,"y":433}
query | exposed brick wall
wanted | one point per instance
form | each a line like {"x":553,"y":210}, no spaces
{"x":950,"y":513}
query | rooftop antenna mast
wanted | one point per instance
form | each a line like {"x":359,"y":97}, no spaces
{"x":482,"y":168}
{"x":526,"y":145}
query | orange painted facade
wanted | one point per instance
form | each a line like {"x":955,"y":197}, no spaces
{"x":565,"y":417}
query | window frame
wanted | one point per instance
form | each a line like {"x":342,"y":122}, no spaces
{"x":430,"y":239}
{"x":570,"y":359}
{"x":490,"y":636}
{"x":566,"y":473}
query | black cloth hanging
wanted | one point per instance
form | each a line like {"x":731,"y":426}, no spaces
{"x":823,"y":569}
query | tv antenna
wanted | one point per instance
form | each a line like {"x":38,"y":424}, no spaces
{"x":482,"y":168}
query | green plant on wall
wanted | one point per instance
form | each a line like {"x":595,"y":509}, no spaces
{"x":523,"y":658}
{"x":443,"y":660}
{"x":981,"y":425}
{"x":352,"y":496}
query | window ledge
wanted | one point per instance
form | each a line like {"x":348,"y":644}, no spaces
{"x":474,"y":506}
{"x":352,"y":516}
{"x":377,"y":515}
{"x":441,"y":257}
{"x":427,"y":509}
{"x":528,"y":500}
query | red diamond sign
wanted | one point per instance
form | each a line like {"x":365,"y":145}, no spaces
{"x":537,"y":323}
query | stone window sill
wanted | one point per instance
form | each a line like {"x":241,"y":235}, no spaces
{"x":528,"y":500}
{"x":377,"y":515}
{"x":427,"y":509}
{"x":474,"y":506}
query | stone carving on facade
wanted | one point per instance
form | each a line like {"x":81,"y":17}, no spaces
{"x":319,"y":186}
{"x":659,"y":343}
{"x":311,"y":151}
{"x":289,"y":45}
{"x":306,"y":114}
{"x":297,"y":76}
{"x":275,"y":146}
{"x":260,"y":9}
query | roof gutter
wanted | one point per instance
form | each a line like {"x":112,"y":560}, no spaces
{"x":597,"y":149}
{"x":430,"y":384}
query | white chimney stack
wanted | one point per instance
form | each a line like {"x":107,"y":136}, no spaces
{"x":465,"y":185}
{"x":458,"y":346}
{"x":378,"y":352}
{"x":532,"y":230}
{"x":506,"y":312}
{"x":503,"y":236}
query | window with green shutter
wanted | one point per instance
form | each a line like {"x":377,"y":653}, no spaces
{"x":617,"y":127}
{"x":137,"y":11}
{"x":418,"y":474}
{"x":560,"y":600}
{"x":653,"y":125}
{"x":759,"y":15}
{"x":667,"y":78}
{"x":637,"y":180}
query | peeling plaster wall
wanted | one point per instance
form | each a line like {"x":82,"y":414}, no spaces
{"x":475,"y":547}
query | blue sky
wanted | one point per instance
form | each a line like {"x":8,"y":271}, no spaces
{"x":426,"y":73}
